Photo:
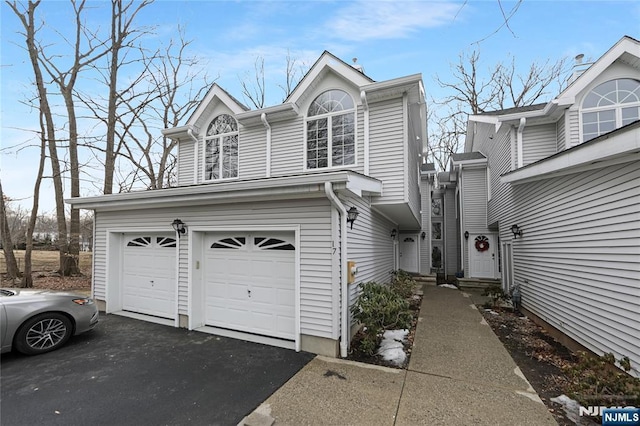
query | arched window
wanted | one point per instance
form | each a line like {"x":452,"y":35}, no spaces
{"x":610,"y":105}
{"x":221,"y":148}
{"x":331,"y":130}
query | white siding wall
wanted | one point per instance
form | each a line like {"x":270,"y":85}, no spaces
{"x":252,"y":152}
{"x":387,"y":148}
{"x":287,"y":148}
{"x":539,"y":142}
{"x":560,"y":134}
{"x":499,"y":161}
{"x":578,"y":261}
{"x":574,"y":127}
{"x":186,"y":170}
{"x":318,"y":292}
{"x":474,"y":199}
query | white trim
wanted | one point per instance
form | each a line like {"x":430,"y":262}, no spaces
{"x":520,"y":149}
{"x":620,"y":147}
{"x":219,"y":138}
{"x":215,"y":92}
{"x":267,"y":126}
{"x":365,"y":137}
{"x":200,"y":231}
{"x":147,"y":318}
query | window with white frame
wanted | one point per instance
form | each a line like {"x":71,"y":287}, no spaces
{"x":331,"y":138}
{"x":609,"y":106}
{"x":221,"y":148}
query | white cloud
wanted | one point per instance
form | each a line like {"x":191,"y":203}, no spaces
{"x":371,"y":20}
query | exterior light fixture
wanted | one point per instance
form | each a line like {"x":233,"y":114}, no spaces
{"x":466,"y":235}
{"x":516,"y":231}
{"x":394,"y":233}
{"x":423,"y":235}
{"x":352,"y":215}
{"x":179,"y":227}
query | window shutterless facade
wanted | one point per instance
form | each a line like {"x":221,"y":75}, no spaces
{"x":221,"y":149}
{"x":330,"y":131}
{"x":609,"y":106}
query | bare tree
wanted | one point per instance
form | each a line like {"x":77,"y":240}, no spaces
{"x":13,"y":272}
{"x":255,"y":91}
{"x":27,"y":19}
{"x":27,"y":278}
{"x":122,"y":37}
{"x":472,"y":91}
{"x":253,"y":86}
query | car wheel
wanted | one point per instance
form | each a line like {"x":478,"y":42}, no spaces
{"x":43,"y":333}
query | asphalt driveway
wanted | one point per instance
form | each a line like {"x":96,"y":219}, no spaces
{"x":130,"y":372}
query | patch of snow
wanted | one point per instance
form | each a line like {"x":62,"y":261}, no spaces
{"x":491,"y":311}
{"x":571,"y":407}
{"x":392,"y":348}
{"x":448,"y":286}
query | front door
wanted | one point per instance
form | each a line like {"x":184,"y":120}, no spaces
{"x":409,"y":253}
{"x":482,"y":256}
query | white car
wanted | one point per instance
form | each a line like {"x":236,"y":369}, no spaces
{"x":37,"y":321}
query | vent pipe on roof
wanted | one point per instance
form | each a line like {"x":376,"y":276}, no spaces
{"x":357,"y":66}
{"x":579,"y":67}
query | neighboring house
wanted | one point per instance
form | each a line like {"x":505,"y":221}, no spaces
{"x":264,"y":196}
{"x":547,"y":197}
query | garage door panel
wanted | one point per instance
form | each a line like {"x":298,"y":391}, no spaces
{"x":250,"y":287}
{"x":148,"y":275}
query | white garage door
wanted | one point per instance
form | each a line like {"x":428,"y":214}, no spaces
{"x":149,"y":275}
{"x":250,"y":283}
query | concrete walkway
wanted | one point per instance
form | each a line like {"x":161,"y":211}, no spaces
{"x":459,"y":373}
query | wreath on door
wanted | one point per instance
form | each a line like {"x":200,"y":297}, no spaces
{"x":482,"y":243}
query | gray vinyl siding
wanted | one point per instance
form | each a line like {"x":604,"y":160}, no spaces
{"x":252,"y":152}
{"x":574,"y":128}
{"x":578,"y":261}
{"x":369,"y":244}
{"x":450,"y":237}
{"x":538,"y":142}
{"x":186,"y":151}
{"x":499,"y":161}
{"x":474,"y":199}
{"x":318,"y":294}
{"x":387,"y":149}
{"x":287,"y":147}
{"x":560,"y":135}
{"x":425,"y":252}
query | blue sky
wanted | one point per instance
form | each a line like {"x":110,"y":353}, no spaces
{"x":390,"y":39}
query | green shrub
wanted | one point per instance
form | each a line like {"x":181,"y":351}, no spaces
{"x":496,"y":294}
{"x":379,"y":308}
{"x":403,"y":283}
{"x":596,"y":381}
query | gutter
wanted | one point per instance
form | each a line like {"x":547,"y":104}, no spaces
{"x":267,"y":126}
{"x":523,"y":122}
{"x":195,"y":155}
{"x":365,"y":105}
{"x":344,"y":290}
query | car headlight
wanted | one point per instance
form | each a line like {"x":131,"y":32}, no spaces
{"x":83,"y":301}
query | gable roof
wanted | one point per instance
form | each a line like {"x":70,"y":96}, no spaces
{"x":327,"y":61}
{"x":217,"y":92}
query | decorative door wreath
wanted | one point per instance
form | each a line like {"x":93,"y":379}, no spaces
{"x":482,"y":243}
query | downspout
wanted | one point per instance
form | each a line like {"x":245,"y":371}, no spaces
{"x":195,"y":155}
{"x":344,"y":289}
{"x":365,"y":105}
{"x":523,"y":122}
{"x":267,"y":126}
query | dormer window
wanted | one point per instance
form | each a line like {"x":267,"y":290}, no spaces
{"x":221,"y":149}
{"x":331,"y":131}
{"x":610,"y":106}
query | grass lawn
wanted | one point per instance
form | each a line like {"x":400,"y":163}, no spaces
{"x":46,"y":261}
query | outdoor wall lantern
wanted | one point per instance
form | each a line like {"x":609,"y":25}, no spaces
{"x":466,"y":235}
{"x":516,"y":231}
{"x":179,"y":226}
{"x":394,"y":233}
{"x":352,"y":215}
{"x":423,"y":235}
